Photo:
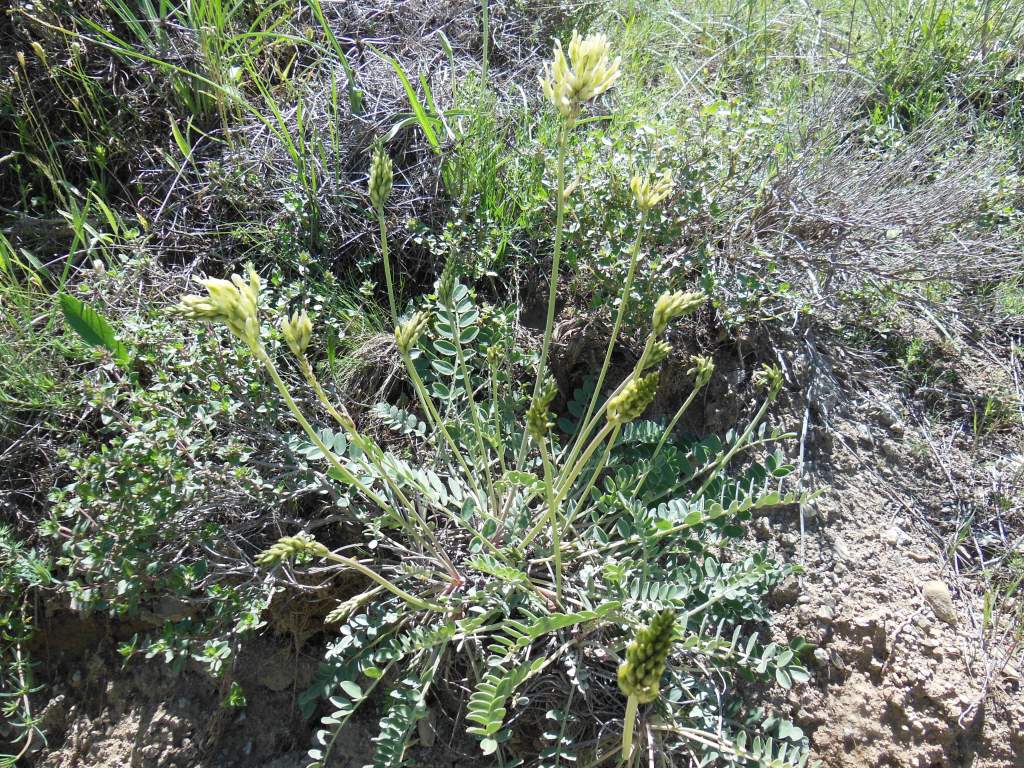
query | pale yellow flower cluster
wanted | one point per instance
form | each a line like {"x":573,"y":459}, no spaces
{"x":233,"y":302}
{"x":703,"y":367}
{"x":381,"y":179}
{"x":651,"y":190}
{"x":297,"y":331}
{"x":288,"y":547}
{"x":408,"y":333}
{"x":586,"y":74}
{"x":538,"y":418}
{"x":633,"y":400}
{"x":669,"y":306}
{"x":769,"y":377}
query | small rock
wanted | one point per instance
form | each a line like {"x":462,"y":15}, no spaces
{"x":425,"y":728}
{"x":277,"y":672}
{"x":892,"y":535}
{"x":786,"y":593}
{"x":885,"y":417}
{"x":841,"y":550}
{"x":821,"y":657}
{"x":919,"y":557}
{"x":937,"y":595}
{"x":826,"y":614}
{"x":890,"y":449}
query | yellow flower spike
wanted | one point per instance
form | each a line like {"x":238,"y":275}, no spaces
{"x":289,"y":547}
{"x":591,"y":73}
{"x":408,"y":333}
{"x":40,"y":53}
{"x":632,"y":400}
{"x":297,"y":331}
{"x":769,"y":377}
{"x":538,"y":418}
{"x":651,"y":190}
{"x":660,"y":351}
{"x":234,"y":302}
{"x":381,"y":179}
{"x":494,"y":354}
{"x":640,"y":674}
{"x":703,"y":367}
{"x":672,"y":305}
{"x":247,"y":298}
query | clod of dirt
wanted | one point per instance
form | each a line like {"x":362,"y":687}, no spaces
{"x":937,"y":595}
{"x":278,"y":672}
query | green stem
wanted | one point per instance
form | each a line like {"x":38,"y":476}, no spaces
{"x":565,"y":485}
{"x":344,"y":474}
{"x":485,"y":22}
{"x":556,"y":545}
{"x":586,"y":429}
{"x":617,"y":325}
{"x":563,"y":136}
{"x":628,"y":724}
{"x":664,"y":438}
{"x":412,"y":600}
{"x":371,"y":451}
{"x":428,"y":406}
{"x":720,"y":464}
{"x":499,"y":443}
{"x":581,"y":502}
{"x":387,"y":267}
{"x":471,"y":400}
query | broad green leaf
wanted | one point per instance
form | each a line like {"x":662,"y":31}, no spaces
{"x":92,"y":327}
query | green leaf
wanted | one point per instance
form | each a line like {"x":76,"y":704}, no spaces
{"x":445,"y":347}
{"x":425,"y":122}
{"x":783,"y":678}
{"x":352,"y":689}
{"x":92,"y":327}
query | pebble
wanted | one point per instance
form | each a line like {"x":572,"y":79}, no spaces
{"x":821,"y":656}
{"x":937,"y":595}
{"x":892,"y":535}
{"x":841,"y":550}
{"x":826,"y":614}
{"x":890,"y":449}
{"x":885,"y":417}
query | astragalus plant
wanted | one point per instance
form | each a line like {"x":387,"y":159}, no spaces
{"x":573,"y":596}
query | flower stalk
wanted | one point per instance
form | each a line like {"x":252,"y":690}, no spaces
{"x":289,"y":547}
{"x":640,"y":674}
{"x":380,"y":185}
{"x":567,"y":84}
